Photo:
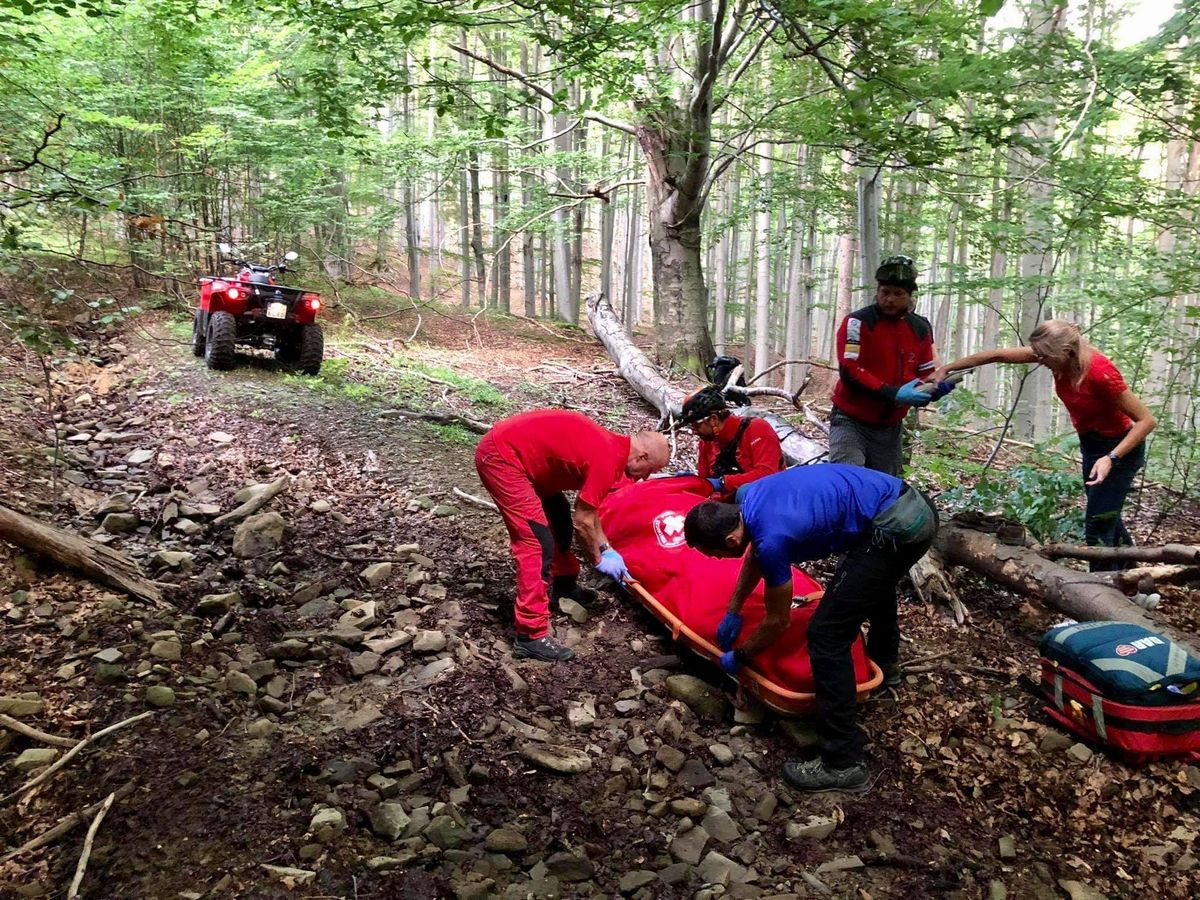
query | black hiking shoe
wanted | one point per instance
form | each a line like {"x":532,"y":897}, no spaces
{"x":570,"y":588}
{"x":815,"y":776}
{"x":893,"y":677}
{"x":544,"y":649}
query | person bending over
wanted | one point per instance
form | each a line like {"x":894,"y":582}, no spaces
{"x":525,"y":463}
{"x":1111,"y":421}
{"x":881,"y":525}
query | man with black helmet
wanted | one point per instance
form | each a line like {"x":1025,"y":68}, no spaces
{"x":884,"y":352}
{"x":733,"y":450}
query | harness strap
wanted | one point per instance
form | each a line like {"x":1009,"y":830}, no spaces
{"x":726,"y":462}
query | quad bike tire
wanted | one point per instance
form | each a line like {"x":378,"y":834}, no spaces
{"x":221,"y":342}
{"x":198,"y":337}
{"x":312,"y":349}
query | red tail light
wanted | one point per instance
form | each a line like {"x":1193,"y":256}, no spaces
{"x":313,"y":301}
{"x":233,"y":293}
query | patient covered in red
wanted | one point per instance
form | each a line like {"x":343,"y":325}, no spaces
{"x":644,"y":521}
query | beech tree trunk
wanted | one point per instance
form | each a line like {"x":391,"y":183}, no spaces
{"x":1080,"y":595}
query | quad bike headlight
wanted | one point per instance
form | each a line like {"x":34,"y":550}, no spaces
{"x":233,"y":293}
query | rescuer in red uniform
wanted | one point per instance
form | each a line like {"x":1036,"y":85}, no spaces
{"x":884,"y":351}
{"x":733,"y":450}
{"x":526,"y":462}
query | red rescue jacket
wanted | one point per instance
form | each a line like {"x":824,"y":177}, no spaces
{"x":758,"y":453}
{"x":876,"y":355}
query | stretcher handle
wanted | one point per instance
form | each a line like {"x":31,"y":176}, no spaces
{"x":760,"y":684}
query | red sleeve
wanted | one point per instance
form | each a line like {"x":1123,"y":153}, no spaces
{"x":760,"y":454}
{"x":850,"y":344}
{"x":708,"y":455}
{"x":925,"y":357}
{"x":605,"y":467}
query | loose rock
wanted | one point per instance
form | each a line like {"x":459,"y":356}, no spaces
{"x":556,"y":758}
{"x":258,"y":535}
{"x":703,"y":698}
{"x":505,"y":840}
{"x":388,"y":820}
{"x":159,"y":695}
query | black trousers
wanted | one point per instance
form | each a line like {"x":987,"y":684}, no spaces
{"x":1103,"y":524}
{"x":863,"y":589}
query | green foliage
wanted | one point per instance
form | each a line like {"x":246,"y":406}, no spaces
{"x":453,"y":434}
{"x":1047,"y":503}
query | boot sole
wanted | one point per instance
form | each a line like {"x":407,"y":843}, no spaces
{"x":857,"y":789}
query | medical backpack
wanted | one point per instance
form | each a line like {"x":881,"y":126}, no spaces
{"x":1123,"y":686}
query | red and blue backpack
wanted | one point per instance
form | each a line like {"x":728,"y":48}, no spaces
{"x":1124,"y":686}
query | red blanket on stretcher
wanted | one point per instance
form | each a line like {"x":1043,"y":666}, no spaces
{"x":644,"y":521}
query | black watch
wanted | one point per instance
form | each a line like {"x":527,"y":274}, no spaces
{"x":1112,"y":454}
{"x":604,"y":547}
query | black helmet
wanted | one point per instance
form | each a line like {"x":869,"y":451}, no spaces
{"x":898,"y":270}
{"x":702,"y":404}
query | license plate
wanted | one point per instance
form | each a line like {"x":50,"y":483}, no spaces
{"x":276,"y":310}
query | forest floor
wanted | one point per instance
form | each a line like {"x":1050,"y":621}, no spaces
{"x":304,"y":751}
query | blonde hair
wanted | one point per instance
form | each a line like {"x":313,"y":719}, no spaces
{"x":1064,"y":344}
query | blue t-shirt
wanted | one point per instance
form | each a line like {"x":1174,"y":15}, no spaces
{"x":808,"y":512}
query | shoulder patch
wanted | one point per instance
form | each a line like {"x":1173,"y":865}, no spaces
{"x":868,"y":314}
{"x":853,"y":330}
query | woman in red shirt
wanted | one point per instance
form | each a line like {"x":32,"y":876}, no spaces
{"x":1112,"y":422}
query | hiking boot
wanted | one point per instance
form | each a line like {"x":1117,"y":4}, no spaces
{"x":543,"y":649}
{"x":570,"y":588}
{"x":815,"y":776}
{"x":893,"y":677}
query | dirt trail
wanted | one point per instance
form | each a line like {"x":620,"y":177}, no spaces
{"x":398,"y":772}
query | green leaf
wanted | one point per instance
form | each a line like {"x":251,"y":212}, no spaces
{"x":990,"y":7}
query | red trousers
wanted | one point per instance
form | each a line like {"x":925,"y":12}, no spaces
{"x":540,"y":531}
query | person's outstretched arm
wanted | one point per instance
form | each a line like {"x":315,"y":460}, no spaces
{"x":985,"y":357}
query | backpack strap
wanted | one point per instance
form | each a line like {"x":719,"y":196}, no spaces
{"x":726,"y":462}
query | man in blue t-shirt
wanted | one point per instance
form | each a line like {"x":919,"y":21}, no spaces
{"x":882,"y":525}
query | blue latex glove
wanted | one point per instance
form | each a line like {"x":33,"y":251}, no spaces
{"x":728,"y":630}
{"x":613,"y":565}
{"x":718,"y":484}
{"x":942,"y":389}
{"x":729,"y":663}
{"x":911,"y":395}
{"x":686,"y":473}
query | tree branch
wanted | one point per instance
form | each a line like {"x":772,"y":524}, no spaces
{"x":33,"y":160}
{"x":540,"y":90}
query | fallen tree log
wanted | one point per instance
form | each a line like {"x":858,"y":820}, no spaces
{"x":644,"y":377}
{"x":1168,"y":553}
{"x":100,"y":563}
{"x":1081,"y":595}
{"x":255,"y":503}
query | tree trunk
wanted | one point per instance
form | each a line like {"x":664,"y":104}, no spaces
{"x":464,"y":232}
{"x":477,"y":224}
{"x":762,"y":306}
{"x":633,"y":262}
{"x":98,"y":562}
{"x":1080,"y":595}
{"x":647,"y":379}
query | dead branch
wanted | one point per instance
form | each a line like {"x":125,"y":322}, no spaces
{"x":255,"y":503}
{"x":75,"y":751}
{"x":37,"y":151}
{"x":475,"y":501}
{"x":1147,"y":578}
{"x":1169,"y":553}
{"x":440,"y":418}
{"x":100,"y":563}
{"x":21,"y":728}
{"x":65,"y":825}
{"x":86,"y":854}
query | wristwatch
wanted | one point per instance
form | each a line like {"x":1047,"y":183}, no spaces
{"x":604,"y":547}
{"x":1113,"y":456}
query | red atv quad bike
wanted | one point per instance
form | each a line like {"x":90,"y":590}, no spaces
{"x":251,"y":310}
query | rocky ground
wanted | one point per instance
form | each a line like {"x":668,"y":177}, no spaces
{"x":334,"y":711}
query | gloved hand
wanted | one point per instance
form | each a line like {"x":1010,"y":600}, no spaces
{"x":686,"y":473}
{"x":613,"y":565}
{"x":942,"y":389}
{"x":718,"y":484}
{"x":730,"y":663}
{"x":728,"y":630}
{"x":911,"y":394}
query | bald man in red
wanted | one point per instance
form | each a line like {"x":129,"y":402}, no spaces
{"x":526,"y":462}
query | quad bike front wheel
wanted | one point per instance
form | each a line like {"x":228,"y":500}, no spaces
{"x":197,"y":335}
{"x":312,"y":349}
{"x":222,"y":339}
